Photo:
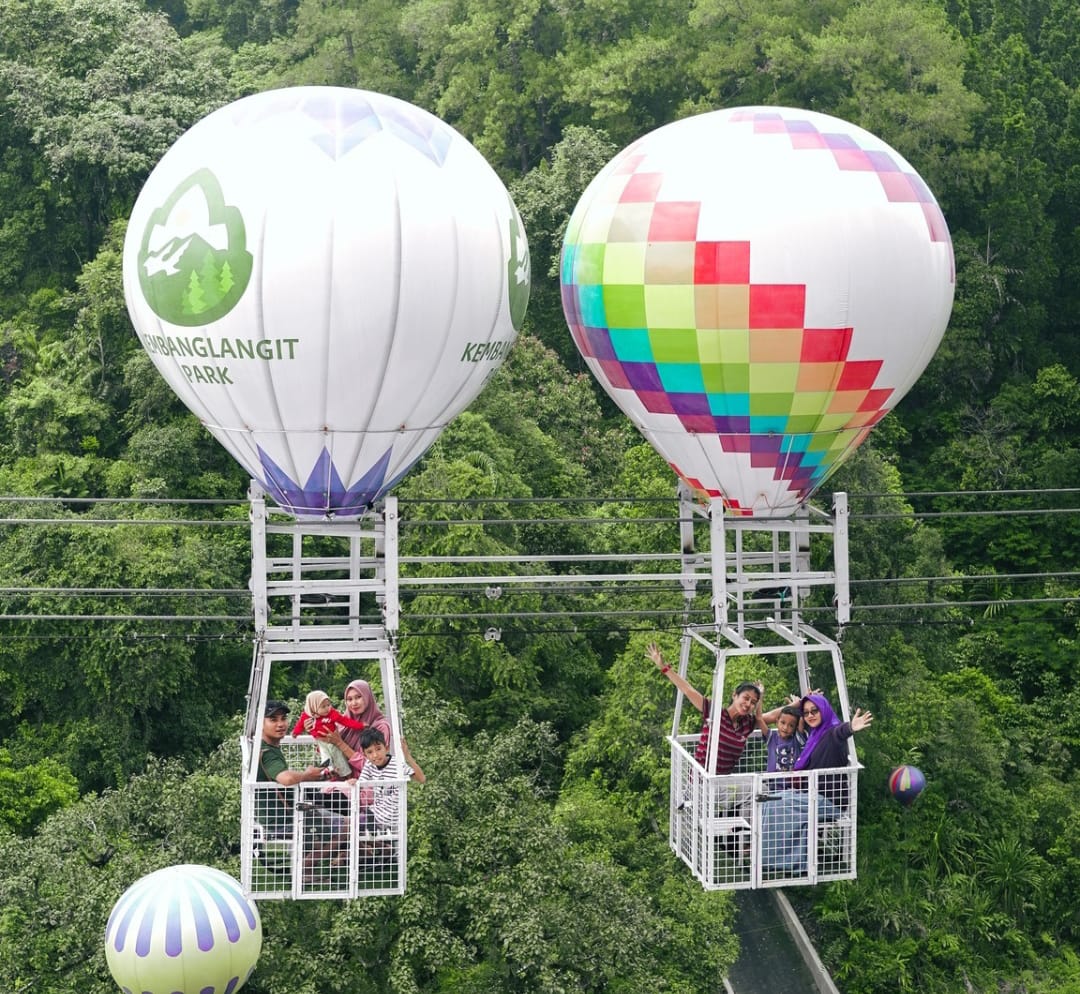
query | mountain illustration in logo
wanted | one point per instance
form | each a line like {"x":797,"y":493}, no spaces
{"x":519,"y":272}
{"x":193,"y":263}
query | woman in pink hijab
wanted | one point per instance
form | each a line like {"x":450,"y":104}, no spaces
{"x":360,"y":706}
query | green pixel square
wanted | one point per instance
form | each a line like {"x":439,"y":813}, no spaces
{"x":589,"y":265}
{"x":769,"y":404}
{"x":625,"y":305}
{"x":726,"y":377}
{"x":674,"y":344}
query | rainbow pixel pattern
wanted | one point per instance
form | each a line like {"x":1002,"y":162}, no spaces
{"x":677,"y":320}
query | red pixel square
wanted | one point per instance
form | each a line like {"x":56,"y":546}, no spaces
{"x":613,"y":370}
{"x":935,"y":220}
{"x":859,"y":375}
{"x":698,"y":424}
{"x":876,"y":399}
{"x":656,"y":401}
{"x":779,"y":305}
{"x":826,"y":344}
{"x":629,"y":164}
{"x":769,"y":125}
{"x":722,"y":262}
{"x":735,"y":443}
{"x":641,"y":188}
{"x":853,"y":158}
{"x":898,"y":188}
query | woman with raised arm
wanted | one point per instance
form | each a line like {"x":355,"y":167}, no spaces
{"x":826,"y":745}
{"x":785,"y":819}
{"x":737,"y":720}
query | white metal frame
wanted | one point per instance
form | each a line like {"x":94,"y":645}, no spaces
{"x":717,"y":823}
{"x":308,"y":605}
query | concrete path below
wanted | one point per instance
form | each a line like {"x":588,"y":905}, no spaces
{"x":773,"y":959}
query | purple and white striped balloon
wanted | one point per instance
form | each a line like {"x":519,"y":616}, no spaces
{"x":183,"y":930}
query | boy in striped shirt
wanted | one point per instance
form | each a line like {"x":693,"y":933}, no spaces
{"x":382,"y":810}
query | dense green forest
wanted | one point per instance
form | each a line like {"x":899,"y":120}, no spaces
{"x":538,"y":856}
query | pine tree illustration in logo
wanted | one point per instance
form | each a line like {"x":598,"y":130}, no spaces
{"x":518,"y":270}
{"x":193,"y":263}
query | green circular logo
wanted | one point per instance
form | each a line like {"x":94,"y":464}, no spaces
{"x":193,"y":262}
{"x":518,"y":270}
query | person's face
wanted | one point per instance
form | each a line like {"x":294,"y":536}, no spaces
{"x":786,"y":725}
{"x":355,"y":701}
{"x":744,"y":703}
{"x":275,"y":727}
{"x":377,"y":753}
{"x":323,"y":709}
{"x":811,"y":714}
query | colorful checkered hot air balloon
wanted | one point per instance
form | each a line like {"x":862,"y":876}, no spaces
{"x":183,"y":930}
{"x":325,"y":277}
{"x":756,"y":288}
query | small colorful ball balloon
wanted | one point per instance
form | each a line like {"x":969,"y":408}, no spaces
{"x":906,"y":783}
{"x":183,"y":930}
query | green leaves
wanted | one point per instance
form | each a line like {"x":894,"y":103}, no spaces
{"x":546,"y":196}
{"x":93,"y":92}
{"x":99,"y":696}
{"x":502,"y":51}
{"x":31,"y":793}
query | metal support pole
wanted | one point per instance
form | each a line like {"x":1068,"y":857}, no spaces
{"x":257,"y":516}
{"x":718,"y":544}
{"x":840,"y":558}
{"x":391,"y":603}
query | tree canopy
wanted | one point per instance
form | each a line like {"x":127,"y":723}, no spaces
{"x":538,"y":857}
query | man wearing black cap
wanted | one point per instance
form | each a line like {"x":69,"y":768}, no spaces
{"x":276,"y":807}
{"x":272,"y":765}
{"x":275,"y":812}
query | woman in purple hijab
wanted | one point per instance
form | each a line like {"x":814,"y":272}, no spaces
{"x":785,"y":820}
{"x":826,"y":745}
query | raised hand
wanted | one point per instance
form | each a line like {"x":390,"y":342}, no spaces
{"x":860,"y":720}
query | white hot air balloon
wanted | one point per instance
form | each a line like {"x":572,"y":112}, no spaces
{"x":325,"y":277}
{"x":183,"y":930}
{"x":756,"y":288}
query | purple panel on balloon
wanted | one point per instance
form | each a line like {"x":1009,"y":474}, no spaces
{"x":324,"y":491}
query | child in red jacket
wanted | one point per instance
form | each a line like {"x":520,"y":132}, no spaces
{"x":320,"y":717}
